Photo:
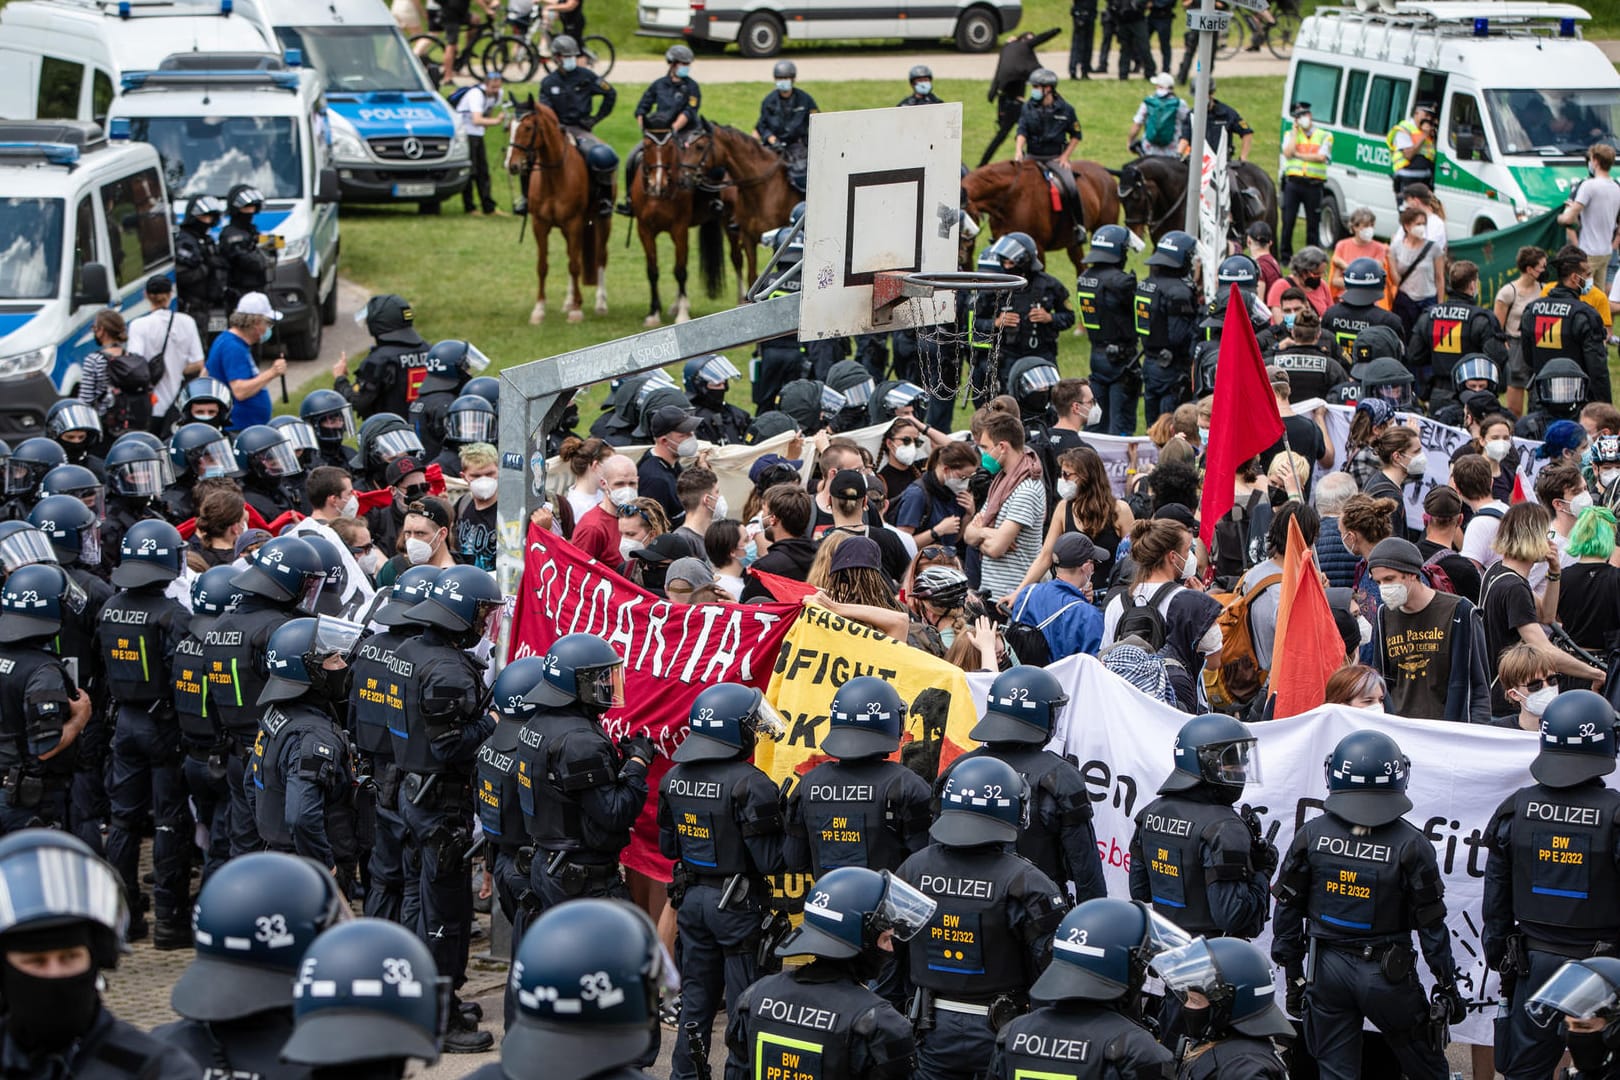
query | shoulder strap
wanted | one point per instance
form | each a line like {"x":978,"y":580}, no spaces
{"x":1424,"y":250}
{"x":1161,"y":592}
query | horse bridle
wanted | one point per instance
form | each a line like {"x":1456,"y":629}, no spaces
{"x":659,"y":139}
{"x":531,"y":151}
{"x":692,"y":174}
{"x":1152,"y":224}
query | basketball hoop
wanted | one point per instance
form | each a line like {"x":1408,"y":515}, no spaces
{"x":944,"y":345}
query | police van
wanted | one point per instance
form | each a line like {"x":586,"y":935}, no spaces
{"x":760,"y":26}
{"x":1521,"y":97}
{"x":83,"y":224}
{"x":222,"y":119}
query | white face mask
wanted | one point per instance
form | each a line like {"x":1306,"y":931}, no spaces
{"x":622,"y":496}
{"x":1497,"y":449}
{"x":418,"y":551}
{"x":1417,"y":464}
{"x":1365,"y":234}
{"x":784,"y":85}
{"x":1394,"y":594}
{"x":372,"y":561}
{"x":1210,"y":643}
{"x":1067,"y":488}
{"x":351,"y":506}
{"x":1094,"y":415}
{"x":1305,"y":123}
{"x":1418,"y":232}
{"x":1377,"y":707}
{"x":1363,"y":629}
{"x":1608,"y":476}
{"x":1189,"y":566}
{"x":904,"y":456}
{"x":721,"y":510}
{"x":688,"y":447}
{"x":1580,"y":502}
{"x":959,"y":484}
{"x":626,"y":546}
{"x":1536,"y":703}
{"x":483,"y":488}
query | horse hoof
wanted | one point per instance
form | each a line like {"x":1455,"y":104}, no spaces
{"x":683,"y":317}
{"x":601,"y":305}
{"x":576,"y":315}
{"x":650,"y":321}
{"x":537,"y":315}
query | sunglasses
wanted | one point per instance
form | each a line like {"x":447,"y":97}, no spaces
{"x":635,"y":511}
{"x":934,"y":551}
{"x":1535,"y":685}
{"x":414,"y":492}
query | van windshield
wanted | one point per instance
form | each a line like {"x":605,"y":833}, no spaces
{"x":209,"y":155}
{"x":1553,"y":122}
{"x":357,"y":59}
{"x":30,"y":248}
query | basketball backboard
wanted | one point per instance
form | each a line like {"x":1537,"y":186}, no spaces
{"x":884,"y":190}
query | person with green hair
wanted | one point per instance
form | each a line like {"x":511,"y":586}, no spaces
{"x":1589,"y":605}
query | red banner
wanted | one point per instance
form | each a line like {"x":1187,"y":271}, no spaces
{"x":672,"y":652}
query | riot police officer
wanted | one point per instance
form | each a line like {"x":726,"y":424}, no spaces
{"x":1105,"y":291}
{"x":1474,"y":374}
{"x":269,"y":467}
{"x":368,"y":1000}
{"x":581,"y":794}
{"x":1450,"y":330}
{"x":853,"y":919}
{"x":707,"y":378}
{"x":137,"y":472}
{"x":140,"y":628}
{"x":1047,"y":126}
{"x":1020,"y":713}
{"x":720,"y":819}
{"x":1558,"y":391}
{"x":921,"y":78}
{"x":570,"y":1025}
{"x":446,"y":720}
{"x":283,"y":580}
{"x":77,"y":429}
{"x":389,"y":375}
{"x":199,"y":272}
{"x":1540,"y":909}
{"x":470,"y":419}
{"x":1239,"y":270}
{"x":54,"y":942}
{"x":1027,"y":320}
{"x":1561,"y":324}
{"x":1310,"y":357}
{"x":25,"y":468}
{"x":196,"y":452}
{"x":1357,"y":944}
{"x":991,"y":933}
{"x":301,"y":437}
{"x":248,"y":267}
{"x":1227,"y":991}
{"x":236,"y":999}
{"x":1167,"y":322}
{"x":332,"y":417}
{"x":1583,"y":998}
{"x":1357,"y":307}
{"x":204,"y":400}
{"x":450,"y":364}
{"x":207,"y":747}
{"x":384,"y":439}
{"x":568,"y":89}
{"x":1091,"y":1025}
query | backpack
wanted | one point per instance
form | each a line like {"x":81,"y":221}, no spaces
{"x":1239,"y":676}
{"x":455,"y":98}
{"x":1142,"y":618}
{"x":1437,"y":577}
{"x":131,"y":377}
{"x":1233,"y":551}
{"x":1159,"y":124}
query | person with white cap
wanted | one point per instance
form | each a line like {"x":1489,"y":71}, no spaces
{"x":231,"y":361}
{"x":1157,"y":120}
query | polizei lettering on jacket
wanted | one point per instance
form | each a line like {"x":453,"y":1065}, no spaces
{"x":1353,"y":849}
{"x":1169,"y":826}
{"x":972,"y":888}
{"x":855,"y":793}
{"x":1050,"y":1047}
{"x":127,"y":616}
{"x":224,"y":638}
{"x":1559,"y":814}
{"x":789,"y":1012}
{"x":693,"y":789}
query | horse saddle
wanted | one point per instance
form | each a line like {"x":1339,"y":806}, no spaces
{"x":1065,"y":196}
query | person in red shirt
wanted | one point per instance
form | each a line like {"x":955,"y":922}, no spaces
{"x":1258,"y":241}
{"x":597,"y":532}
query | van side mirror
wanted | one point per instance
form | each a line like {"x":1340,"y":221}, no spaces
{"x":95,"y":287}
{"x":326,"y":186}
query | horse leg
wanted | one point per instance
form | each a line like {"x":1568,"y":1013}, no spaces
{"x":576,"y":262}
{"x":683,"y":310}
{"x":649,"y":246}
{"x":542,"y":235}
{"x":737,"y":266}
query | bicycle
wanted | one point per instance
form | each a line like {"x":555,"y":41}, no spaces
{"x":520,"y":57}
{"x":1278,"y":34}
{"x":470,"y":57}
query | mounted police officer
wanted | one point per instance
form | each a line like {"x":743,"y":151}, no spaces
{"x":1227,"y":991}
{"x":1583,"y":998}
{"x":991,"y":932}
{"x":1091,"y":1026}
{"x":236,"y":1000}
{"x":248,"y":266}
{"x":706,"y":380}
{"x":921,"y":78}
{"x":332,"y":417}
{"x":1357,"y":307}
{"x":1027,"y":320}
{"x":1020,"y":712}
{"x":389,"y":375}
{"x":207,"y":748}
{"x":62,"y":919}
{"x":446,"y":720}
{"x":784,"y":121}
{"x":853,"y":918}
{"x":720,"y":819}
{"x":140,"y":629}
{"x":1105,"y":292}
{"x":450,"y":364}
{"x":1048,"y":132}
{"x":1561,"y":324}
{"x":670,"y":104}
{"x":1348,"y":951}
{"x":199,"y":272}
{"x":1453,"y":328}
{"x":1540,"y":908}
{"x":1167,"y":323}
{"x":569,"y":90}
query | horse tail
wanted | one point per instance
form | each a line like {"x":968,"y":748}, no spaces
{"x":712,"y":254}
{"x":587,"y":244}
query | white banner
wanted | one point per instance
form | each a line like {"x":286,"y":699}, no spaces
{"x":1124,"y":457}
{"x":1460,"y":774}
{"x":1214,"y":212}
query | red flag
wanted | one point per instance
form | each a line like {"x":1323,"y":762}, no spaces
{"x":1308,"y":648}
{"x":1518,"y":495}
{"x":1244,"y":420}
{"x":784,"y":589}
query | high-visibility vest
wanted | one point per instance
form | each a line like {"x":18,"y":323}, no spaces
{"x":1309,"y":141}
{"x":1397,"y":158}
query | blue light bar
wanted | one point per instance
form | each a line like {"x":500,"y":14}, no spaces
{"x":293,"y":57}
{"x":1482,"y":27}
{"x":1566,"y":27}
{"x":123,"y":9}
{"x":55,"y":153}
{"x":118,"y":128}
{"x":225,"y":6}
{"x":281,"y":80}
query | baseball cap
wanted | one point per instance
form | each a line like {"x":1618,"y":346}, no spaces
{"x":159,"y":285}
{"x":1164,"y":80}
{"x":250,"y":538}
{"x":767,"y":462}
{"x":691,"y":571}
{"x":1073,"y":549}
{"x":665,"y":548}
{"x":256,"y":303}
{"x":848,"y":484}
{"x":672,"y":418}
{"x":856,"y":553}
{"x":1176,"y":512}
{"x":435,"y":510}
{"x":400,"y":468}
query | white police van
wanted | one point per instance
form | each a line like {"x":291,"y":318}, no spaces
{"x":222,"y":119}
{"x":1521,"y":97}
{"x":83,"y":224}
{"x":760,"y":26}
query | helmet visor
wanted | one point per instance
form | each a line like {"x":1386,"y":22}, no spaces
{"x":213,"y":459}
{"x":90,"y":544}
{"x":1037,"y":378}
{"x":278,"y":459}
{"x":393,"y":444}
{"x":904,"y":394}
{"x":1575,"y":991}
{"x":1009,"y":250}
{"x":1190,"y":967}
{"x":24,"y":548}
{"x":656,"y":380}
{"x":1162,"y":935}
{"x":1231,"y":763}
{"x":718,"y":369}
{"x":74,"y":598}
{"x":832,"y":401}
{"x":310,"y":593}
{"x":300,"y":435}
{"x":904,"y":910}
{"x":75,"y":416}
{"x":768,"y":722}
{"x":142,"y":478}
{"x":22,"y":477}
{"x":53,"y":883}
{"x":602,"y":687}
{"x":469,"y":425}
{"x":94,"y":497}
{"x":335,"y":637}
{"x":475,"y":362}
{"x":859,"y":394}
{"x":336,"y":425}
{"x":1563,"y":389}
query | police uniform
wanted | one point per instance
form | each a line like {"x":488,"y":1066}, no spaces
{"x":1078,"y":1040}
{"x":247,"y":268}
{"x":199,"y":272}
{"x":721,"y":821}
{"x":1105,"y":294}
{"x":35,"y":691}
{"x":88,"y":807}
{"x":1192,"y":858}
{"x":1313,"y":369}
{"x":1167,"y":325}
{"x":245,"y":1049}
{"x":569,"y":93}
{"x":1027,"y":338}
{"x":270,"y":497}
{"x":1047,"y":129}
{"x":300,"y":782}
{"x":1303,"y":182}
{"x":500,"y":816}
{"x":233,"y":664}
{"x":666,"y":99}
{"x":110,"y":1050}
{"x":1344,"y":320}
{"x":869,"y":812}
{"x":786,"y":117}
{"x":723,"y":422}
{"x":817,"y":1022}
{"x":1562,"y":324}
{"x":1442,"y":336}
{"x":929,"y":98}
{"x":1206,"y":352}
{"x":122,"y":512}
{"x":1406,"y":167}
{"x":1237,"y":1057}
{"x":204,"y":743}
{"x":389,"y":377}
{"x":1221,"y":116}
{"x":376,"y":720}
{"x":433,"y":400}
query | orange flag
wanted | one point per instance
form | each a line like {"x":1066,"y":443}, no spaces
{"x":1308,"y":647}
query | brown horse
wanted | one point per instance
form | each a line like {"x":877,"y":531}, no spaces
{"x":661,"y":203}
{"x":764,"y":196}
{"x":1016,"y":197}
{"x":1153,"y":190}
{"x":559,"y":197}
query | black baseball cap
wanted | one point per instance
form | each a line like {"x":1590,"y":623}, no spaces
{"x":672,"y":418}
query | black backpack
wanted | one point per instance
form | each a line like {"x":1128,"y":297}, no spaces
{"x":131,"y":378}
{"x":1142,"y":618}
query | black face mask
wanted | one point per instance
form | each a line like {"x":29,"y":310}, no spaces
{"x":1590,"y":1050}
{"x":334,"y":686}
{"x":48,"y":1014}
{"x":1312,"y":281}
{"x":1196,"y":1021}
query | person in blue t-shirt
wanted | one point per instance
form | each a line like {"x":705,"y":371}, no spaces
{"x":230,"y":360}
{"x":1061,"y":609}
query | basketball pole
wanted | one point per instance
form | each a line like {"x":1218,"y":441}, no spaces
{"x":1195,"y":145}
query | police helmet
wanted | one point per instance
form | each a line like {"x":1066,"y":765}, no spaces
{"x":1237,"y":979}
{"x":567,"y":1017}
{"x":1102,"y":948}
{"x":72,"y":415}
{"x":580,"y":668}
{"x":454,"y":361}
{"x":848,"y":909}
{"x":1174,"y":249}
{"x":1043,"y":77}
{"x":264,"y":451}
{"x":150,"y":552}
{"x":330,"y":414}
{"x":5,"y":453}
{"x":296,"y":651}
{"x":287,"y":570}
{"x":253,"y":920}
{"x":202,"y":206}
{"x":487,"y":387}
{"x":411,"y":587}
{"x":203,"y":451}
{"x":204,"y":390}
{"x":372,"y":432}
{"x":462,"y":600}
{"x":767,"y":425}
{"x":1018,"y":249}
{"x":1109,"y":245}
{"x":79,"y":482}
{"x":367,"y":990}
{"x":21,"y":544}
{"x":299,"y":435}
{"x":564,"y":45}
{"x":334,"y":570}
{"x":1363,"y":282}
{"x":944,"y":587}
{"x":662,"y":397}
{"x":212,"y":595}
{"x":72,"y":528}
{"x":35,"y":600}
{"x":138,"y":469}
{"x":1216,"y":750}
{"x":1581,"y":989}
{"x":678,"y":54}
{"x":983,"y":800}
{"x":851,"y":379}
{"x":386,"y":314}
{"x":806,"y":402}
{"x":1022,"y":707}
{"x":723,"y":722}
{"x":50,"y":878}
{"x":865,"y":718}
{"x":470,"y":419}
{"x":1387,"y":379}
{"x":243,"y":196}
{"x":1577,"y":740}
{"x":1374,"y":343}
{"x":1561,"y":383}
{"x":29,"y":463}
{"x":1366,"y":779}
{"x":700,"y":371}
{"x":920,"y":71}
{"x":510,"y":694}
{"x":1476,"y":366}
{"x":1238,"y":270}
{"x":785,"y":69}
{"x":1030,"y":380}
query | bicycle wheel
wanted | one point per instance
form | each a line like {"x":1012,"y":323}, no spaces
{"x":478,"y":44}
{"x":1280,"y":38}
{"x":512,"y":57}
{"x":599,"y":54}
{"x":429,"y":50}
{"x":1231,"y":39}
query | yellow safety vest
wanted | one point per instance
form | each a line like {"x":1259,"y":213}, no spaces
{"x":1397,"y":159}
{"x":1309,"y":141}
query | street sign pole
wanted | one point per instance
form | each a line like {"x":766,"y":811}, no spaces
{"x":1195,"y":152}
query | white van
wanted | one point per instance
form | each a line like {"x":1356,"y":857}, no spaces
{"x":83,"y":224}
{"x":760,"y":26}
{"x":222,"y":119}
{"x":1521,"y":97}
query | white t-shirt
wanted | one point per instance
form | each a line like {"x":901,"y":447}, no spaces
{"x":184,"y":348}
{"x":1481,"y":533}
{"x":1600,"y":207}
{"x":583,"y":504}
{"x":473,"y":103}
